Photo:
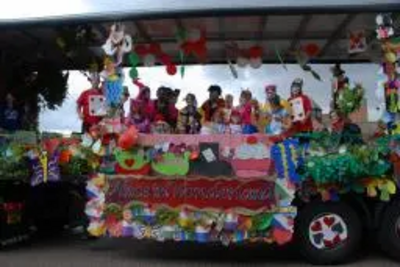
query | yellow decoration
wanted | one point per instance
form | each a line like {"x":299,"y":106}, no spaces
{"x":43,"y":161}
{"x":390,"y":57}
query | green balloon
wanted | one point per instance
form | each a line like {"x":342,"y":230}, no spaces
{"x":133,"y":73}
{"x":134,"y":59}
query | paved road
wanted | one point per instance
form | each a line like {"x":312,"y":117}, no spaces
{"x":118,"y":253}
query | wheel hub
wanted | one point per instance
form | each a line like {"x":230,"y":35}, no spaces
{"x":328,"y":231}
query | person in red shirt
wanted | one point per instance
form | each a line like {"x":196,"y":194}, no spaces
{"x":213,"y":105}
{"x":85,"y":108}
{"x":301,"y":106}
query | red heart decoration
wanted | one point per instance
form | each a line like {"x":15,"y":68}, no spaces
{"x":129,"y":162}
{"x":329,"y":221}
{"x":316,"y":227}
{"x":336,"y":240}
{"x":328,"y":243}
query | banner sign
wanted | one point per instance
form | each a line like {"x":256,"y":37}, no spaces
{"x":253,"y":195}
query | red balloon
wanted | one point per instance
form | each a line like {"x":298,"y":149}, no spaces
{"x":171,"y":69}
{"x":165,"y":59}
{"x":255,"y":51}
{"x":140,"y":50}
{"x":128,"y":139}
{"x":155,"y":48}
{"x":311,"y":50}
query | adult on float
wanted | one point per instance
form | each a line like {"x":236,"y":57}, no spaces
{"x":85,"y":104}
{"x":10,"y":115}
{"x":350,"y":133}
{"x":301,"y":107}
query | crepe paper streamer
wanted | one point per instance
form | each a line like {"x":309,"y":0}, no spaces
{"x":113,"y":92}
{"x":281,"y":61}
{"x":233,"y":70}
{"x":287,"y":159}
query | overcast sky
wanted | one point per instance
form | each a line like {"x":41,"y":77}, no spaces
{"x":198,"y":78}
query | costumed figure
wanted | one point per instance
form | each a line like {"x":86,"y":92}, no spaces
{"x":189,"y":120}
{"x":278,"y":120}
{"x":350,"y":133}
{"x":266,"y":109}
{"x":228,"y":107}
{"x":160,"y":126}
{"x":91,"y":106}
{"x":165,"y":106}
{"x":219,"y":125}
{"x":141,"y":111}
{"x":213,"y":104}
{"x":246,"y":112}
{"x":301,"y":107}
{"x":235,"y":124}
{"x":340,"y":81}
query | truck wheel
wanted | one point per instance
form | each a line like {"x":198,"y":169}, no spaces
{"x":389,"y":231}
{"x":328,"y":233}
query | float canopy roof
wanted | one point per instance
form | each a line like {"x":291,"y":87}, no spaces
{"x":284,"y":29}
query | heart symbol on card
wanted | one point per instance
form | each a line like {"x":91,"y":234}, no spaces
{"x":316,"y":227}
{"x":329,"y":221}
{"x":129,"y":162}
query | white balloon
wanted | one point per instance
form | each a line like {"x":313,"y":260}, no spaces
{"x":256,"y":63}
{"x":109,"y":48}
{"x":194,"y":35}
{"x":242,"y":62}
{"x":149,"y":60}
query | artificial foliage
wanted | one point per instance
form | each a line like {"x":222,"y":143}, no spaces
{"x":350,"y":99}
{"x":332,"y":163}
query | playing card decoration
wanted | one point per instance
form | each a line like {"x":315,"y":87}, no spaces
{"x":45,"y":168}
{"x":97,"y":106}
{"x":357,"y":42}
{"x":297,"y":109}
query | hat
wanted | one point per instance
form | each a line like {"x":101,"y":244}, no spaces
{"x":159,"y":118}
{"x":271,"y":88}
{"x":337,"y":70}
{"x":298,"y":82}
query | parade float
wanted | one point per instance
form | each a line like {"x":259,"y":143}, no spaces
{"x":233,"y":188}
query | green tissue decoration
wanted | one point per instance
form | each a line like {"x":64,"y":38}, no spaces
{"x":350,"y":99}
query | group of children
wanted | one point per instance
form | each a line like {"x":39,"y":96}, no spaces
{"x":217,"y":115}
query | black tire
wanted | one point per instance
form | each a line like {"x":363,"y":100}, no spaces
{"x":389,"y":232}
{"x":338,"y":253}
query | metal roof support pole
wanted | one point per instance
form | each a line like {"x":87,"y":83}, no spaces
{"x":299,"y":33}
{"x":337,"y":33}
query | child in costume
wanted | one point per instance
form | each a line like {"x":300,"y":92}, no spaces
{"x":160,"y":126}
{"x":278,"y":119}
{"x":219,"y":125}
{"x":142,"y":111}
{"x":235,"y":124}
{"x":189,"y":120}
{"x":246,"y":110}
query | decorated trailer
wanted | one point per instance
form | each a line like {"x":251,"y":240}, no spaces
{"x":266,"y":176}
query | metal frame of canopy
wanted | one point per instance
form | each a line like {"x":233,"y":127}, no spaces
{"x":285,"y":24}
